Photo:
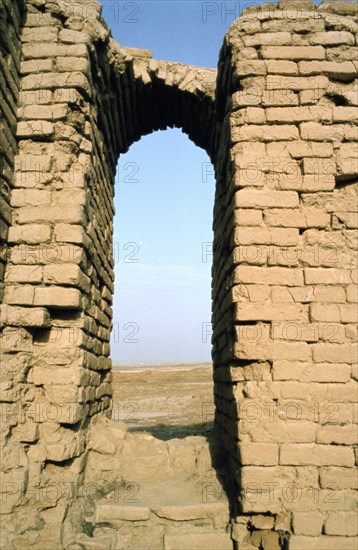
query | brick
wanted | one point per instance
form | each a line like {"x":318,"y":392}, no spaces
{"x":347,"y":159}
{"x":256,"y":347}
{"x":56,"y":214}
{"x":21,"y":316}
{"x":42,"y":97}
{"x":291,"y":351}
{"x":281,"y":294}
{"x":47,"y":254}
{"x":286,"y":182}
{"x":320,"y":132}
{"x":277,"y":236}
{"x":300,"y":149}
{"x":325,"y":312}
{"x":299,"y":114}
{"x":68,"y":36}
{"x":293,"y":52}
{"x":332,"y":38}
{"x":254,"y":254}
{"x":245,"y":98}
{"x":298,"y":542}
{"x":46,"y":50}
{"x":313,"y":183}
{"x":250,"y":67}
{"x":295,"y":5}
{"x":34,"y":128}
{"x":262,"y":522}
{"x":33,"y":163}
{"x":36,"y":66}
{"x":190,"y":512}
{"x":337,"y":435}
{"x":276,"y":39}
{"x":332,"y":353}
{"x":296,"y":25}
{"x":44,"y":112}
{"x":283,"y":256}
{"x":342,"y":478}
{"x":345,"y":114}
{"x":254,"y":115}
{"x":29,"y":234}
{"x":277,"y":97}
{"x":308,"y":523}
{"x":44,"y":376}
{"x":268,"y":312}
{"x":40,"y":20}
{"x":311,"y":97}
{"x":308,"y":372}
{"x":46,"y":34}
{"x":249,"y":176}
{"x":270,"y":539}
{"x":259,"y":454}
{"x":65,"y":274}
{"x":199,"y":541}
{"x":248,"y":217}
{"x":319,"y":167}
{"x":19,"y":295}
{"x":23,"y":274}
{"x":264,"y":133}
{"x":316,"y":455}
{"x":281,"y":67}
{"x":329,"y":276}
{"x":63,"y":394}
{"x":295,"y":331}
{"x":352,"y":293}
{"x":289,"y":218}
{"x":349,"y":313}
{"x":56,"y":80}
{"x":253,"y":293}
{"x":349,"y":219}
{"x":269,"y":275}
{"x":30,"y":197}
{"x":57,"y":297}
{"x":14,"y":339}
{"x":276,"y":430}
{"x":339,"y":54}
{"x":70,"y":234}
{"x":110,"y":512}
{"x":251,"y":198}
{"x":341,"y":523}
{"x":279,"y":477}
{"x":262,"y":349}
{"x":65,"y":64}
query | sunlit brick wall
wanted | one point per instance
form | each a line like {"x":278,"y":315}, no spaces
{"x":285,"y":272}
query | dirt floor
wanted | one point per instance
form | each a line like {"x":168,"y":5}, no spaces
{"x":167,"y":401}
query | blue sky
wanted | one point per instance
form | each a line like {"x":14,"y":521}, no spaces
{"x":164,"y":199}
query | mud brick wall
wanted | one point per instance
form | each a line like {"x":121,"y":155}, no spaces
{"x":285,"y":272}
{"x":83,"y":101}
{"x":11,"y":14}
{"x":277,"y":120}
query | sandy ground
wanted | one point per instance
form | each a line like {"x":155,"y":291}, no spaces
{"x":167,"y":400}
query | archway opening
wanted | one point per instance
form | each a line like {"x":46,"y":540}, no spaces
{"x":161,"y":335}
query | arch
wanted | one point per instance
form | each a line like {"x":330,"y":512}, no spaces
{"x":162,"y":251}
{"x":138,"y":95}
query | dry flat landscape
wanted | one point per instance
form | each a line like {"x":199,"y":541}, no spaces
{"x":165,"y":400}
